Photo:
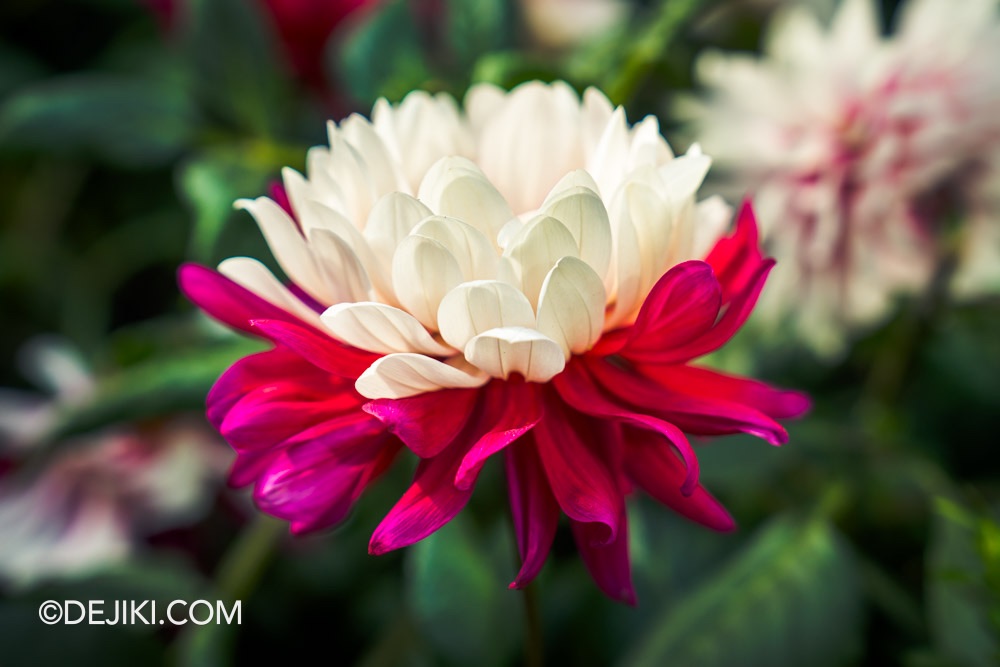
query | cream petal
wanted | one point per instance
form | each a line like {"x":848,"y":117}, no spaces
{"x":609,"y":162}
{"x":537,"y":120}
{"x":257,"y":278}
{"x":682,"y":176}
{"x":648,"y":148}
{"x":286,"y":243}
{"x":475,"y":307}
{"x":383,"y":169}
{"x":348,"y":168}
{"x":423,"y":271}
{"x":481,"y":102}
{"x":343,"y":274}
{"x":578,"y":178}
{"x":392,"y":219}
{"x":712,"y":218}
{"x":322,"y":186}
{"x":626,"y":274}
{"x":505,"y":350}
{"x":475,"y":254}
{"x":584,"y":215}
{"x":571,"y":306}
{"x":406,"y":374}
{"x":595,"y":113}
{"x":542,"y":243}
{"x":457,"y":188}
{"x":377,"y":327}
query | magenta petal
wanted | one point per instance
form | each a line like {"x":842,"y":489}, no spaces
{"x":534,"y":509}
{"x":314,"y":484}
{"x":316,"y":347}
{"x":245,"y":375}
{"x":579,"y":390}
{"x":581,"y":481}
{"x":430,"y":502}
{"x":655,"y":468}
{"x":429,"y":422}
{"x":737,"y":258}
{"x":248,"y":466}
{"x":680,"y":308}
{"x":608,"y":564}
{"x":226,"y":301}
{"x":514,"y":409}
{"x":697,"y":414}
{"x":702,"y":382}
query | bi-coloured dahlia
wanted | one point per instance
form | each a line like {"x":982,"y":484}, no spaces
{"x":529,"y":280}
{"x":864,"y":153}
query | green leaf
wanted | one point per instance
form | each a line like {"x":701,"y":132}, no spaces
{"x":16,"y":69}
{"x":236,"y":63}
{"x":957,"y":598}
{"x":459,"y":599}
{"x":382,"y":57}
{"x":792,"y":597}
{"x":120,"y":119}
{"x":157,"y":387}
{"x":476,"y":28}
{"x":210,"y":184}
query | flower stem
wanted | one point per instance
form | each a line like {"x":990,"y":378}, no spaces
{"x":649,"y":48}
{"x":534,"y":645}
{"x":245,"y":561}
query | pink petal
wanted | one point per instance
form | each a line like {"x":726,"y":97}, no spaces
{"x":681,"y":307}
{"x":581,"y":479}
{"x":514,"y":408}
{"x":534,"y":508}
{"x":608,"y":564}
{"x":579,"y":390}
{"x":226,"y":301}
{"x":314,"y":484}
{"x":430,"y":502}
{"x":262,"y":420}
{"x":736,"y":258}
{"x":316,"y":347}
{"x":248,"y":373}
{"x":426,"y":423}
{"x":705,"y":383}
{"x":656,"y":469}
{"x":250,"y":465}
{"x":697,"y":414}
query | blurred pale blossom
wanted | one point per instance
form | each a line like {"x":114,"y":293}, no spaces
{"x":563,"y":24}
{"x":92,"y":502}
{"x":870,"y":158}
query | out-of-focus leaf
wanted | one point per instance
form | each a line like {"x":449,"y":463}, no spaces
{"x":476,"y":28}
{"x":210,"y":184}
{"x":16,"y":69}
{"x":461,"y":603}
{"x":509,"y":68}
{"x":957,"y":598}
{"x":157,"y":387}
{"x":124,"y":120}
{"x":792,"y":597}
{"x":236,"y":62}
{"x":382,"y":56}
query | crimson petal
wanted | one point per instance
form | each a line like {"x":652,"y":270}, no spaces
{"x":533,"y":507}
{"x":316,"y":347}
{"x":660,"y":473}
{"x":608,"y":564}
{"x":426,"y":423}
{"x":736,"y":258}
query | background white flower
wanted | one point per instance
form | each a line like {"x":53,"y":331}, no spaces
{"x":859,"y":149}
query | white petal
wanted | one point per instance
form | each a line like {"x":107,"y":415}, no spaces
{"x":648,"y":148}
{"x":377,"y":327}
{"x":542,"y":243}
{"x":481,"y":102}
{"x":344,"y":276}
{"x":423,"y":271}
{"x":595,"y":113}
{"x":319,"y":216}
{"x":456,"y":187}
{"x":475,"y":307}
{"x":382,"y":168}
{"x":571,"y":306}
{"x":475,"y":254}
{"x":287,"y":244}
{"x":608,"y":164}
{"x":391,"y":220}
{"x":405,"y":374}
{"x":683,"y":175}
{"x":578,"y":178}
{"x":500,"y":352}
{"x":257,"y":278}
{"x":348,"y":168}
{"x":712,"y":219}
{"x":584,"y":215}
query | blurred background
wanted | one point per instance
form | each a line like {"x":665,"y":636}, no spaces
{"x":127,"y":129}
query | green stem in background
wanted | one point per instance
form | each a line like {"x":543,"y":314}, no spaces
{"x":241,"y":567}
{"x":534,"y":643}
{"x":649,"y":49}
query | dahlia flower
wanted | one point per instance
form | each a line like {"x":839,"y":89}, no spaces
{"x":860,"y":149}
{"x":528,"y":279}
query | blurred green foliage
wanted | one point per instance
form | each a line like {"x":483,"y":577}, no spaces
{"x":871,"y":539}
